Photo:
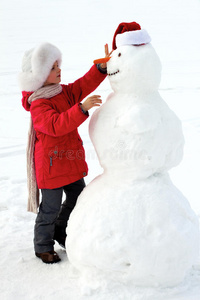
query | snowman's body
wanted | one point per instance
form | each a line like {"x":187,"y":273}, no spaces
{"x":134,"y":138}
{"x":131,"y":223}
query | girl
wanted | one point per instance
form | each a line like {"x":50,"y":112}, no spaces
{"x":55,"y":153}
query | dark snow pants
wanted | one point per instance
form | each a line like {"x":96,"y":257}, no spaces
{"x":52,"y":213}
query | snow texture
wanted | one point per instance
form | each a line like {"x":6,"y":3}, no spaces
{"x":143,"y":229}
{"x":80,"y":29}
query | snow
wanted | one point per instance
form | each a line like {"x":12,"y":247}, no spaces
{"x":139,"y":214}
{"x":80,"y":29}
{"x":133,"y":227}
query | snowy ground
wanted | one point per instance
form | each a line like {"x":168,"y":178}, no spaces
{"x":80,"y":29}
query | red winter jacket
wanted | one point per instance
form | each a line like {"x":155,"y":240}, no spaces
{"x":59,"y":152}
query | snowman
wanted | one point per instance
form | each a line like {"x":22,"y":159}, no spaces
{"x":131,"y":224}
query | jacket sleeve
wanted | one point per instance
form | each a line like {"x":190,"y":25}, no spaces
{"x":85,"y":85}
{"x":50,"y":122}
{"x":25,"y":96}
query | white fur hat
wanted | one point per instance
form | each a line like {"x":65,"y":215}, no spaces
{"x":36,"y":66}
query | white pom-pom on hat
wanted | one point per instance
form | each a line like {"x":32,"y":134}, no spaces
{"x":36,"y":66}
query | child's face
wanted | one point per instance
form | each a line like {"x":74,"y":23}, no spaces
{"x":54,"y":75}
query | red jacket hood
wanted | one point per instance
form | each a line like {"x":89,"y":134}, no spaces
{"x":25,"y":96}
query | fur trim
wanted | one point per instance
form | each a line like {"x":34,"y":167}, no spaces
{"x":36,"y":66}
{"x":136,"y":37}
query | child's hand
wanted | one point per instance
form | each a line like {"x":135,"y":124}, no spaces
{"x":104,"y":60}
{"x":103,"y":65}
{"x":90,"y":102}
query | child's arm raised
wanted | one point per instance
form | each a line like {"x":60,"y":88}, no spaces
{"x":86,"y":84}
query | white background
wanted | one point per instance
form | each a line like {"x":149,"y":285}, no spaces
{"x":80,"y":29}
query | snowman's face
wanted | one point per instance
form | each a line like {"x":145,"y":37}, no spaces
{"x":134,"y":69}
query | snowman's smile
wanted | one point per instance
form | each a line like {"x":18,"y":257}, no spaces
{"x":114,"y":73}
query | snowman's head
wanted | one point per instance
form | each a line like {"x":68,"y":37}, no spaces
{"x":134,"y":69}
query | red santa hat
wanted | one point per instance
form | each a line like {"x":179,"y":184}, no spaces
{"x":130,"y":34}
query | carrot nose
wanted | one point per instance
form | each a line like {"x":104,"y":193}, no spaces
{"x":102,"y":60}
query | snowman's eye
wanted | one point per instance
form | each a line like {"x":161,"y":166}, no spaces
{"x":119,"y":54}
